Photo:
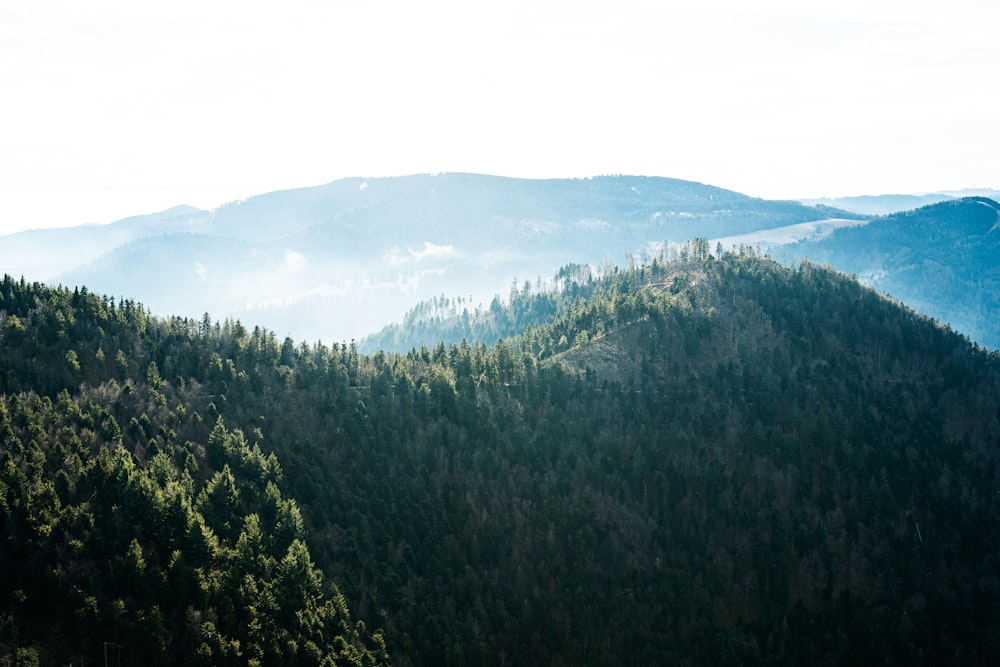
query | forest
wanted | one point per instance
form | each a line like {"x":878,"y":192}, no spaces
{"x":712,"y":459}
{"x":938,"y":259}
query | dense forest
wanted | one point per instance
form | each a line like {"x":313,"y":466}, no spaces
{"x":711,"y":460}
{"x":939,"y":259}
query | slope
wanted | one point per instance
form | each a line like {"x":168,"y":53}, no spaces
{"x":704,"y":461}
{"x":132,"y":529}
{"x":943,"y":260}
{"x":44,"y":254}
{"x":337,"y":261}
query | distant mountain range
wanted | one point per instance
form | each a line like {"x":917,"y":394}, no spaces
{"x":942,"y":260}
{"x":339,"y":261}
{"x":886,"y":204}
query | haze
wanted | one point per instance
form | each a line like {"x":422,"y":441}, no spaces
{"x":114,"y":109}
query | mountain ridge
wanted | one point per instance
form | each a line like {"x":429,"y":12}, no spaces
{"x":941,"y":259}
{"x":371,"y":235}
{"x":340,"y":260}
{"x":766,"y":469}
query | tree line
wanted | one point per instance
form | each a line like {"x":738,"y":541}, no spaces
{"x":704,"y":460}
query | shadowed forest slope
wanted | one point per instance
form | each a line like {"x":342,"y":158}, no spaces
{"x":715,"y":460}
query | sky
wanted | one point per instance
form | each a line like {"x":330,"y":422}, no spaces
{"x":111,"y":109}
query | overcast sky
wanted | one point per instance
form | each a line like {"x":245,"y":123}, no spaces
{"x":116,"y":108}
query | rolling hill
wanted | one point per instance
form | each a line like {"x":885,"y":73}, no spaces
{"x":342,"y":260}
{"x":339,"y":261}
{"x":942,"y":259}
{"x":707,"y":460}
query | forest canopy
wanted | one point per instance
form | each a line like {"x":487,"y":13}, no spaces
{"x":713,"y":460}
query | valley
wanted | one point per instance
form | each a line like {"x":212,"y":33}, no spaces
{"x":722,"y":450}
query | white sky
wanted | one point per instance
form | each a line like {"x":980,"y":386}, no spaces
{"x":110,"y":109}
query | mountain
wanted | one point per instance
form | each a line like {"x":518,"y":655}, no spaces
{"x":44,"y":254}
{"x":871,"y":205}
{"x":338,"y":261}
{"x":711,"y":459}
{"x":942,"y":259}
{"x":878,"y":204}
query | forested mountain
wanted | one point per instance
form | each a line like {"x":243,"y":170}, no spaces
{"x":134,"y":526}
{"x":943,"y":260}
{"x":338,"y":261}
{"x":712,"y":460}
{"x":452,"y":320}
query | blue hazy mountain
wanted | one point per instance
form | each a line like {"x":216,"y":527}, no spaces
{"x":43,"y":254}
{"x":942,"y":260}
{"x":337,"y":261}
{"x":887,"y":204}
{"x":341,"y":260}
{"x":879,"y":204}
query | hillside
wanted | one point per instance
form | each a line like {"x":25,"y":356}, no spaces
{"x":942,"y":259}
{"x":134,"y":526}
{"x":338,"y":261}
{"x":44,"y":254}
{"x":713,"y":460}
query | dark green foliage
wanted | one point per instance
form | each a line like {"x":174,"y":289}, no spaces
{"x":707,"y":461}
{"x":142,"y":545}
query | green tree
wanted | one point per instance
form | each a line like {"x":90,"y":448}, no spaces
{"x":219,"y":504}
